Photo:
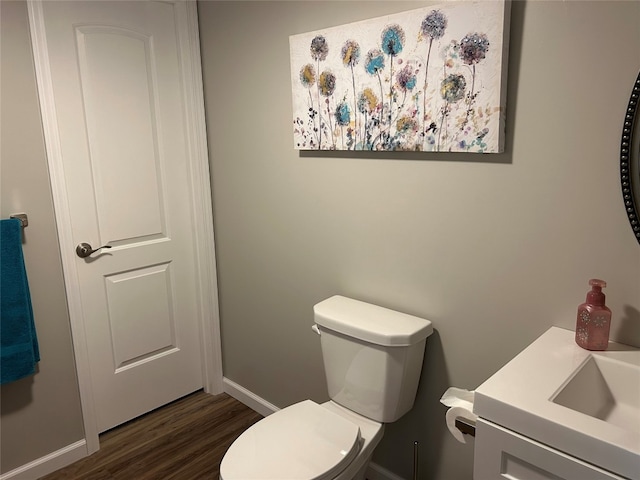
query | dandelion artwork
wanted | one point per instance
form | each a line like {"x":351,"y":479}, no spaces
{"x":432,"y":79}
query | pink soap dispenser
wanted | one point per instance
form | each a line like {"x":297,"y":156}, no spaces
{"x":594,"y":319}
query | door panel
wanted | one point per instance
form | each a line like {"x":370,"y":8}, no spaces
{"x":119,"y":81}
{"x":153,"y":332}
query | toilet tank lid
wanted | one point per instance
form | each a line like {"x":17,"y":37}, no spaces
{"x":371,"y":323}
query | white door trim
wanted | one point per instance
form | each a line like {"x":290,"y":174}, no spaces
{"x":202,"y":215}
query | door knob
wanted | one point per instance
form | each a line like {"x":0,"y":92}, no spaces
{"x":83,"y":250}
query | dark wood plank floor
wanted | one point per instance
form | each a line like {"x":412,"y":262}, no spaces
{"x":183,"y":440}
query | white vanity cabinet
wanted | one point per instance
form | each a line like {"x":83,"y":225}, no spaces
{"x":502,"y":454}
{"x":559,"y":412}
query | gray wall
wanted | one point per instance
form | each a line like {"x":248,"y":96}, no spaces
{"x":493,"y":249}
{"x":39,"y":414}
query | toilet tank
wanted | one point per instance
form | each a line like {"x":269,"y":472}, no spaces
{"x":372,"y":356}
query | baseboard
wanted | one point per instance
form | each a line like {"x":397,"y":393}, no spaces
{"x":49,"y":463}
{"x":376,"y":472}
{"x":264,"y":408}
{"x":249,"y":398}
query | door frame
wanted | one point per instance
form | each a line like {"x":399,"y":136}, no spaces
{"x":202,"y":214}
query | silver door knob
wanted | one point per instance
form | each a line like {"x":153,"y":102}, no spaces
{"x":83,"y":250}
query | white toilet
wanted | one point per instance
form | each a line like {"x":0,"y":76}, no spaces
{"x":373,"y":358}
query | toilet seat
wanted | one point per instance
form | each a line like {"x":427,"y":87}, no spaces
{"x":303,"y":442}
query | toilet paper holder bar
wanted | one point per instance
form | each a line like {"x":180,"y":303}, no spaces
{"x":466,"y":426}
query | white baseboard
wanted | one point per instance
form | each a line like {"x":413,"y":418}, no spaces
{"x":249,"y":398}
{"x":264,"y":408}
{"x":376,"y":472}
{"x":49,"y":463}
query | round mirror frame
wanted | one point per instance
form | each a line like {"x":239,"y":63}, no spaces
{"x":630,"y":160}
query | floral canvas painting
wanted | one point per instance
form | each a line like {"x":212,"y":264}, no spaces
{"x":432,"y":79}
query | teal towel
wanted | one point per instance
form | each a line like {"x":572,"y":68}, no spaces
{"x":18,"y":342}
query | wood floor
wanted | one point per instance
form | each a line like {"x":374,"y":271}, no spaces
{"x":183,"y":440}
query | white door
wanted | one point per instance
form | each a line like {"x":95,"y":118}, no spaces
{"x":122,"y":117}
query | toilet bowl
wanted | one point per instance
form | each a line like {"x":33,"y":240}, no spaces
{"x":304,"y":441}
{"x":373,"y":358}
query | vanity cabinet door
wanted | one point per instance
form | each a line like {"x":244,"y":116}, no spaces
{"x":503,"y":454}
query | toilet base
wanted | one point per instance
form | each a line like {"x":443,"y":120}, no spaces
{"x":360,"y":475}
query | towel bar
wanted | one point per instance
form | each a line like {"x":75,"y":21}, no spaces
{"x":22,"y":217}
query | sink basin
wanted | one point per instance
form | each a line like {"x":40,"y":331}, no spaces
{"x":606,"y":389}
{"x":582,"y":403}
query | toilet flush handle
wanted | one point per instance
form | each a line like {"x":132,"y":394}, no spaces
{"x":315,"y":328}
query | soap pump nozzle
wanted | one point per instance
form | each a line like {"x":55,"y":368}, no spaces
{"x":596,"y":295}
